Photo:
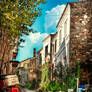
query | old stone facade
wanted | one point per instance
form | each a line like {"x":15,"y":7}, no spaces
{"x":81,"y":38}
{"x":25,"y":70}
{"x":81,"y":31}
{"x":30,"y":69}
{"x":28,"y":64}
{"x":75,"y":38}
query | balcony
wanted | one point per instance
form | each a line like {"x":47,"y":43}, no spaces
{"x":62,"y":45}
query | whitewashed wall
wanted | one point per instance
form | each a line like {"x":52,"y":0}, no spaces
{"x":61,"y":36}
{"x":53,"y":42}
{"x":46,"y":42}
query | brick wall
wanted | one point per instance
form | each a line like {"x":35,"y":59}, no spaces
{"x":81,"y":31}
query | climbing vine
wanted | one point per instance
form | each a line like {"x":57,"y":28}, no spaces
{"x":45,"y":77}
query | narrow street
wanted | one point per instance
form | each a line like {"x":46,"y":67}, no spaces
{"x":27,"y":90}
{"x":45,"y":45}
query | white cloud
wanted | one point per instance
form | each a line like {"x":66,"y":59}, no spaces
{"x":37,"y":37}
{"x":33,"y":39}
{"x":52,"y":17}
{"x":23,"y":44}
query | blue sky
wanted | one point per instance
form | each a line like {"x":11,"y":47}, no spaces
{"x":44,"y":25}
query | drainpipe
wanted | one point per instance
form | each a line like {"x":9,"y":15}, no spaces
{"x":77,"y":84}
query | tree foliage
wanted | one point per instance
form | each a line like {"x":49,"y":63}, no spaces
{"x":16,"y":15}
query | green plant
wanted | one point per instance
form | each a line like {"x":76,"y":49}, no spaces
{"x":67,"y":75}
{"x":21,"y":86}
{"x":58,"y":71}
{"x":54,"y":86}
{"x":72,"y":82}
{"x":31,"y":85}
{"x":45,"y":77}
{"x":78,"y":70}
{"x":64,"y":87}
{"x":40,"y":90}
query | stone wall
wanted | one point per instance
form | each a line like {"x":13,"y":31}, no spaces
{"x":81,"y":31}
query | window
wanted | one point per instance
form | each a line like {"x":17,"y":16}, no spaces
{"x":67,"y":48}
{"x":52,"y":49}
{"x":60,"y":37}
{"x":46,"y":50}
{"x":55,"y":45}
{"x":28,"y":64}
{"x":40,"y":59}
{"x":64,"y":56}
{"x":65,"y":28}
{"x":25,"y":65}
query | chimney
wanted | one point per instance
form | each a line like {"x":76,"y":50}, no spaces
{"x":34,"y":52}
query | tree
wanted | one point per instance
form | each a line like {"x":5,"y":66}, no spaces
{"x":15,"y":17}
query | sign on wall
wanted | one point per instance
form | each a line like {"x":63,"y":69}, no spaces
{"x":11,"y":80}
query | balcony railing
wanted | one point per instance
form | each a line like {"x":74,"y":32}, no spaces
{"x":62,"y":44}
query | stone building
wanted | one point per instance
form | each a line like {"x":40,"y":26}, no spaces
{"x":29,"y":69}
{"x":25,"y":69}
{"x":81,"y":38}
{"x":39,"y":56}
{"x":75,"y":40}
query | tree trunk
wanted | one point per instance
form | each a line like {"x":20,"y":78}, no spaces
{"x":4,"y":53}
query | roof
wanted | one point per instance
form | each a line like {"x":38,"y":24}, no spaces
{"x":28,"y":59}
{"x":62,"y":14}
{"x":20,"y":67}
{"x":49,"y":36}
{"x":46,"y":37}
{"x":69,"y":3}
{"x":14,"y":61}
